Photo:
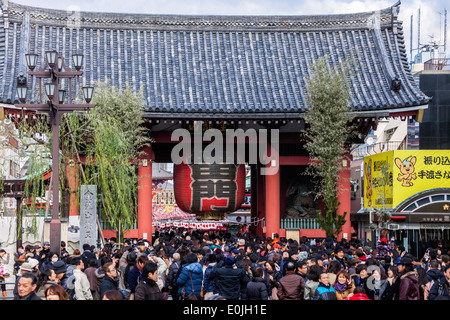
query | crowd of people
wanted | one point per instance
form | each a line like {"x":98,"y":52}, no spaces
{"x":182,"y":265}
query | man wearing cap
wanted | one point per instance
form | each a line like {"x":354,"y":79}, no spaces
{"x":44,"y":255}
{"x":67,"y":280}
{"x":409,"y":280}
{"x":276,"y":249}
{"x":228,"y":279}
{"x":319,"y":260}
{"x":382,"y":249}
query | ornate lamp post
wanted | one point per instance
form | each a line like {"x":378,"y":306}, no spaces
{"x":54,"y":69}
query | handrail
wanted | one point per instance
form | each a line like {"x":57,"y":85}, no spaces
{"x":297,"y":224}
{"x":437,"y":64}
{"x":9,"y":297}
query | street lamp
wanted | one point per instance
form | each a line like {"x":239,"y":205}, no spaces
{"x":55,"y":69}
{"x":51,"y":57}
{"x":22,"y":87}
{"x":87,"y":93}
{"x":77,"y":61}
{"x":60,"y":63}
{"x":61,"y":96}
{"x":31,"y":59}
{"x":50,"y":90}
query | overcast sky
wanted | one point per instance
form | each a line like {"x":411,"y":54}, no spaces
{"x":432,"y":11}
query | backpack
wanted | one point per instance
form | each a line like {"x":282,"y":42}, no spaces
{"x":441,"y":288}
{"x":70,"y":286}
{"x":426,"y":291}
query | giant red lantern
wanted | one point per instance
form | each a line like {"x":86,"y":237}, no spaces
{"x":209,"y":189}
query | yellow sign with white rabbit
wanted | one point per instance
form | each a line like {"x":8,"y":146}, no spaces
{"x":394,"y":176}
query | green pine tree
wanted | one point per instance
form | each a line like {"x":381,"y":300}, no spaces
{"x":328,"y":128}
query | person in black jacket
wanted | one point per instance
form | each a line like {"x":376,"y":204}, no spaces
{"x":64,"y":252}
{"x":147,"y":289}
{"x":135,"y":274}
{"x":171,"y":280}
{"x":44,"y":254}
{"x":110,"y":281}
{"x":87,"y":255}
{"x":228,"y":280}
{"x":26,"y":287}
{"x":441,"y":288}
{"x":256,"y":288}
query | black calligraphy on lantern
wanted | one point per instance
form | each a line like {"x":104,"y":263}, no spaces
{"x":214,"y":187}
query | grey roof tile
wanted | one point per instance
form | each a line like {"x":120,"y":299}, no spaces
{"x":215,"y":65}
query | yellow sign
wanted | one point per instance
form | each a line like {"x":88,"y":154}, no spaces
{"x":394,"y":176}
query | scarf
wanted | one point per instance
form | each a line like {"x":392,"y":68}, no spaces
{"x":340,"y":287}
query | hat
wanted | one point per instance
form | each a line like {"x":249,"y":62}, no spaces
{"x":46,"y":243}
{"x":229,"y":261}
{"x":276,"y":245}
{"x":33,"y":263}
{"x":355,"y":260}
{"x":405,"y":261}
{"x":132,"y":256}
{"x":176,"y":256}
{"x":59,"y":267}
{"x":319,"y":257}
{"x":383,"y":240}
{"x":235,"y":251}
{"x":26,"y":267}
{"x":303,"y":255}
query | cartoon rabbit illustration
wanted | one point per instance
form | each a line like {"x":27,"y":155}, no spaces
{"x":406,"y":170}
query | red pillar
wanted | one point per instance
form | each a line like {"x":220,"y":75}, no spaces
{"x":260,"y":209}
{"x":144,"y":210}
{"x":253,"y":199}
{"x":344,"y":197}
{"x":272,"y":195}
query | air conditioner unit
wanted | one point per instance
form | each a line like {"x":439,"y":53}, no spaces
{"x":393,"y":226}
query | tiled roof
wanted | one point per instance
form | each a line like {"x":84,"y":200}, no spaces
{"x":215,"y":66}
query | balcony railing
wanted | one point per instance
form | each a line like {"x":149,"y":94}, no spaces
{"x":365,"y":150}
{"x":297,"y":224}
{"x":437,"y":64}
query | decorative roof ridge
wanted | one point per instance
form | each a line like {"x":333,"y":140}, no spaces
{"x":275,"y":22}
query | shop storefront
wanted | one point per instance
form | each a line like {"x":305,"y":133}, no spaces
{"x":414,"y":187}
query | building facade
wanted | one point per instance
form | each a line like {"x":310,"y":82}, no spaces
{"x":230,"y":72}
